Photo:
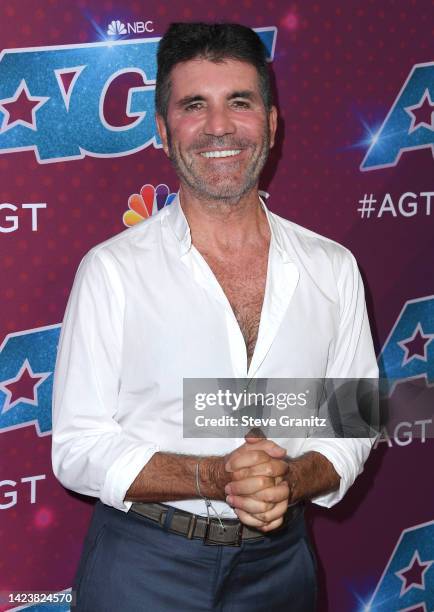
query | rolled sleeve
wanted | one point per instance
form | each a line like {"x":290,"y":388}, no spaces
{"x":122,"y":472}
{"x":91,"y":453}
{"x":347,"y":457}
{"x":353,"y":356}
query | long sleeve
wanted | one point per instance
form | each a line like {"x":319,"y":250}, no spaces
{"x":353,"y":356}
{"x":91,"y":454}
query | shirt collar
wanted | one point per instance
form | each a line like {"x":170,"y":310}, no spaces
{"x":179,"y":224}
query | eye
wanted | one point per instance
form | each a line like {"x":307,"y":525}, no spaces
{"x":241,"y":104}
{"x":194,"y":106}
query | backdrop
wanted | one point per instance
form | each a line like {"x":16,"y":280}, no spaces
{"x":80,"y":161}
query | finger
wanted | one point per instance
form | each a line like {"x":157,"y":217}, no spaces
{"x":248,"y":519}
{"x":242,"y":459}
{"x":274,"y":468}
{"x":268,"y":446}
{"x":274,"y":494}
{"x":249,"y":485}
{"x":270,"y":526}
{"x":273,"y":514}
{"x":249,"y":504}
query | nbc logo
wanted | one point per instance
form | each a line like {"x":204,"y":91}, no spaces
{"x":116,"y":28}
{"x":149,"y":201}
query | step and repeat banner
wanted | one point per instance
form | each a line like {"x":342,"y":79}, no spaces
{"x":80,"y":160}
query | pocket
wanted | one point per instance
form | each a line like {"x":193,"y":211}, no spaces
{"x":85,"y":567}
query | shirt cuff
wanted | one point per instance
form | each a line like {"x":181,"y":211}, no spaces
{"x":347,"y":457}
{"x":122,"y":474}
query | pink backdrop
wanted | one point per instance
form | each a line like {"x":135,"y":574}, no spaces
{"x":353,"y":161}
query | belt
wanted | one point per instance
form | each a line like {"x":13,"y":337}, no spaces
{"x":209,"y":530}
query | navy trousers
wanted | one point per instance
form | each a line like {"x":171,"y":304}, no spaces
{"x":130,"y":563}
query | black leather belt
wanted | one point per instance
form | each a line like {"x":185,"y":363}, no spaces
{"x":210,"y":531}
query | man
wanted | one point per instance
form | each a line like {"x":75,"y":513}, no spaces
{"x":214,"y":285}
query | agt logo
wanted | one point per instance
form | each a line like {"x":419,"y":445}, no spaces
{"x":52,"y":98}
{"x":27,"y":362}
{"x":118,"y":28}
{"x":409,"y":124}
{"x":408,"y":352}
{"x":407,"y":583}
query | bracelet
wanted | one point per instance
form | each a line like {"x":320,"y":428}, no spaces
{"x":208,"y":503}
{"x":199,"y":492}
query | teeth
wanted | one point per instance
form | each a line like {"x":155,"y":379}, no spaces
{"x":221,"y":153}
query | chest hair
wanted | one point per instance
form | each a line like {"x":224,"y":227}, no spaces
{"x":243,"y":283}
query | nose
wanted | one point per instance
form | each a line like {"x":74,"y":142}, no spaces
{"x":218,"y":121}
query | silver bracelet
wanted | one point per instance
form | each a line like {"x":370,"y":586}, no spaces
{"x":208,"y":503}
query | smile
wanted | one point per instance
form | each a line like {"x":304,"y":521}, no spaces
{"x":221,"y":153}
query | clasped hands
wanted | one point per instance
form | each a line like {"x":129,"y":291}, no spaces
{"x":259,"y":489}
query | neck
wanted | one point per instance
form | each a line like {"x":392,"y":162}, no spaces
{"x":225,"y":225}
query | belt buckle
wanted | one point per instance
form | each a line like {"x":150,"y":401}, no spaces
{"x":238,"y":536}
{"x":191,"y":526}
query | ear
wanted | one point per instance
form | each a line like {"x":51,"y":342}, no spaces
{"x":272,"y":124}
{"x":162,"y":130}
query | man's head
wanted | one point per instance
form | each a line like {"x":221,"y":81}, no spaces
{"x":215,"y":42}
{"x":214,"y":107}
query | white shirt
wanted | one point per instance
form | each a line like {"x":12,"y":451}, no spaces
{"x":146,"y":311}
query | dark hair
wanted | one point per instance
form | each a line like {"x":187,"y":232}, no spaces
{"x":212,"y":41}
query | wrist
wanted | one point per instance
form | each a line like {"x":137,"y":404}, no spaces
{"x":292,"y":478}
{"x":310,"y":475}
{"x":213,"y":477}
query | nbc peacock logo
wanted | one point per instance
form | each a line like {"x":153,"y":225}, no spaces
{"x":116,"y":28}
{"x":144,"y":204}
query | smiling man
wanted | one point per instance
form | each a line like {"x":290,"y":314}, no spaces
{"x":218,"y":140}
{"x":213,"y":286}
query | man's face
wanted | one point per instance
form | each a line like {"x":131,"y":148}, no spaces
{"x":218,"y":132}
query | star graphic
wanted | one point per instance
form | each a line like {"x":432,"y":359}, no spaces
{"x":415,"y":347}
{"x":421,"y":113}
{"x":23,"y":387}
{"x":21,"y":108}
{"x":414,"y":574}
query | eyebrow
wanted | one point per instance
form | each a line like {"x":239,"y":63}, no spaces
{"x":247,"y":94}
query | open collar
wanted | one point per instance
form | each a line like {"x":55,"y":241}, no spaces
{"x":179,"y":225}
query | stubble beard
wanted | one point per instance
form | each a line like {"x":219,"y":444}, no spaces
{"x":211,"y":188}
